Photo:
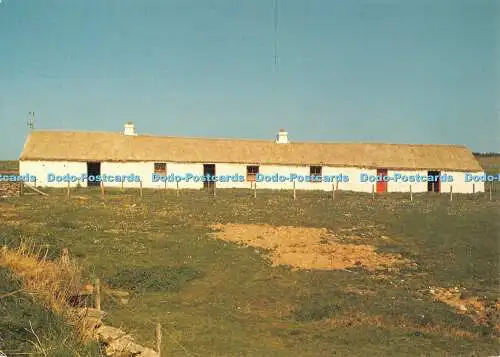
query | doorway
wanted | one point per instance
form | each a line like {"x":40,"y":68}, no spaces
{"x":209,"y":170}
{"x":93,"y":169}
{"x":381,"y":183}
{"x":434,"y":185}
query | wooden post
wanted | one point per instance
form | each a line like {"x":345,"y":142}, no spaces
{"x":35,"y":181}
{"x":67,"y":192}
{"x":64,"y":257}
{"x":411,"y":194}
{"x":177,"y":191}
{"x":98,"y":294}
{"x":433,"y":183}
{"x":491,"y":184}
{"x":215,"y":189}
{"x":333,"y":191}
{"x":473,"y":188}
{"x":140,"y":188}
{"x":255,"y":189}
{"x":337,"y":186}
{"x":102,"y":189}
{"x":451,"y":192}
{"x":122,"y":186}
{"x":158,"y":338}
{"x":21,"y":187}
{"x":373,"y":192}
{"x":294,"y":193}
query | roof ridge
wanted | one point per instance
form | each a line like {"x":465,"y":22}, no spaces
{"x":248,"y":139}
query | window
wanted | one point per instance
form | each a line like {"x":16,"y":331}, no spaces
{"x":161,"y":168}
{"x":315,"y":173}
{"x":252,"y":172}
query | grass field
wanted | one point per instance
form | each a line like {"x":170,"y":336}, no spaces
{"x":9,"y":165}
{"x":217,"y":298}
{"x":490,"y":163}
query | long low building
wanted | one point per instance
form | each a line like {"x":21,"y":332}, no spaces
{"x":126,"y":159}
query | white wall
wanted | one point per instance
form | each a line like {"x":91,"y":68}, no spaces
{"x":460,"y":185}
{"x":144,"y":170}
{"x":41,"y":170}
{"x":402,"y":181}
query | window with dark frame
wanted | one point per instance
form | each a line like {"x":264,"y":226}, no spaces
{"x":252,"y":172}
{"x":315,"y":173}
{"x":161,"y":168}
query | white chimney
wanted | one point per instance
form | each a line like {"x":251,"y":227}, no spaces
{"x":129,"y":129}
{"x":282,"y":137}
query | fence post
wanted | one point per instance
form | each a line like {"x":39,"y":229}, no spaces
{"x":473,"y":188}
{"x":98,"y":294}
{"x":64,"y":256}
{"x":255,"y":189}
{"x":158,"y":338}
{"x":373,"y":192}
{"x":411,"y":194}
{"x":215,"y":189}
{"x":35,"y":181}
{"x":67,"y":192}
{"x":177,"y":190}
{"x":122,"y":187}
{"x":491,"y":184}
{"x":21,"y":188}
{"x":294,"y":193}
{"x":102,"y":189}
{"x":333,"y":191}
{"x":451,"y":192}
{"x":140,"y":188}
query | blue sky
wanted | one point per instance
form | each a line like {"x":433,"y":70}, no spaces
{"x":385,"y":71}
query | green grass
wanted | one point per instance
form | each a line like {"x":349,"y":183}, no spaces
{"x":489,"y":162}
{"x":9,"y":165}
{"x":26,"y":327}
{"x":215,"y":298}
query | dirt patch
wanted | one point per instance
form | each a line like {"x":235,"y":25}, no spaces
{"x":307,"y":248}
{"x":479,"y":309}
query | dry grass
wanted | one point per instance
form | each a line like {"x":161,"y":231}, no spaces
{"x":52,"y":283}
{"x":307,"y":248}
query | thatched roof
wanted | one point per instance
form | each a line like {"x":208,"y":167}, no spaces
{"x":99,"y":146}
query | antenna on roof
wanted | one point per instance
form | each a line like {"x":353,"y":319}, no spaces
{"x":31,"y":120}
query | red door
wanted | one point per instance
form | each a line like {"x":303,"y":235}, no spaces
{"x":381,"y":184}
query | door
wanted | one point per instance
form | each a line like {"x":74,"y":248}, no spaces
{"x":208,"y":170}
{"x":93,"y":170}
{"x":434,"y":185}
{"x":381,"y":184}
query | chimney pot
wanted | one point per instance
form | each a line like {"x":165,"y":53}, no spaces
{"x":282,"y":137}
{"x":129,"y":129}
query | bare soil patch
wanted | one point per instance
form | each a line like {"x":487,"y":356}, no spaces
{"x":307,"y":248}
{"x":479,"y":309}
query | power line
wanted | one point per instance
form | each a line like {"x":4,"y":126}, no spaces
{"x":276,"y":19}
